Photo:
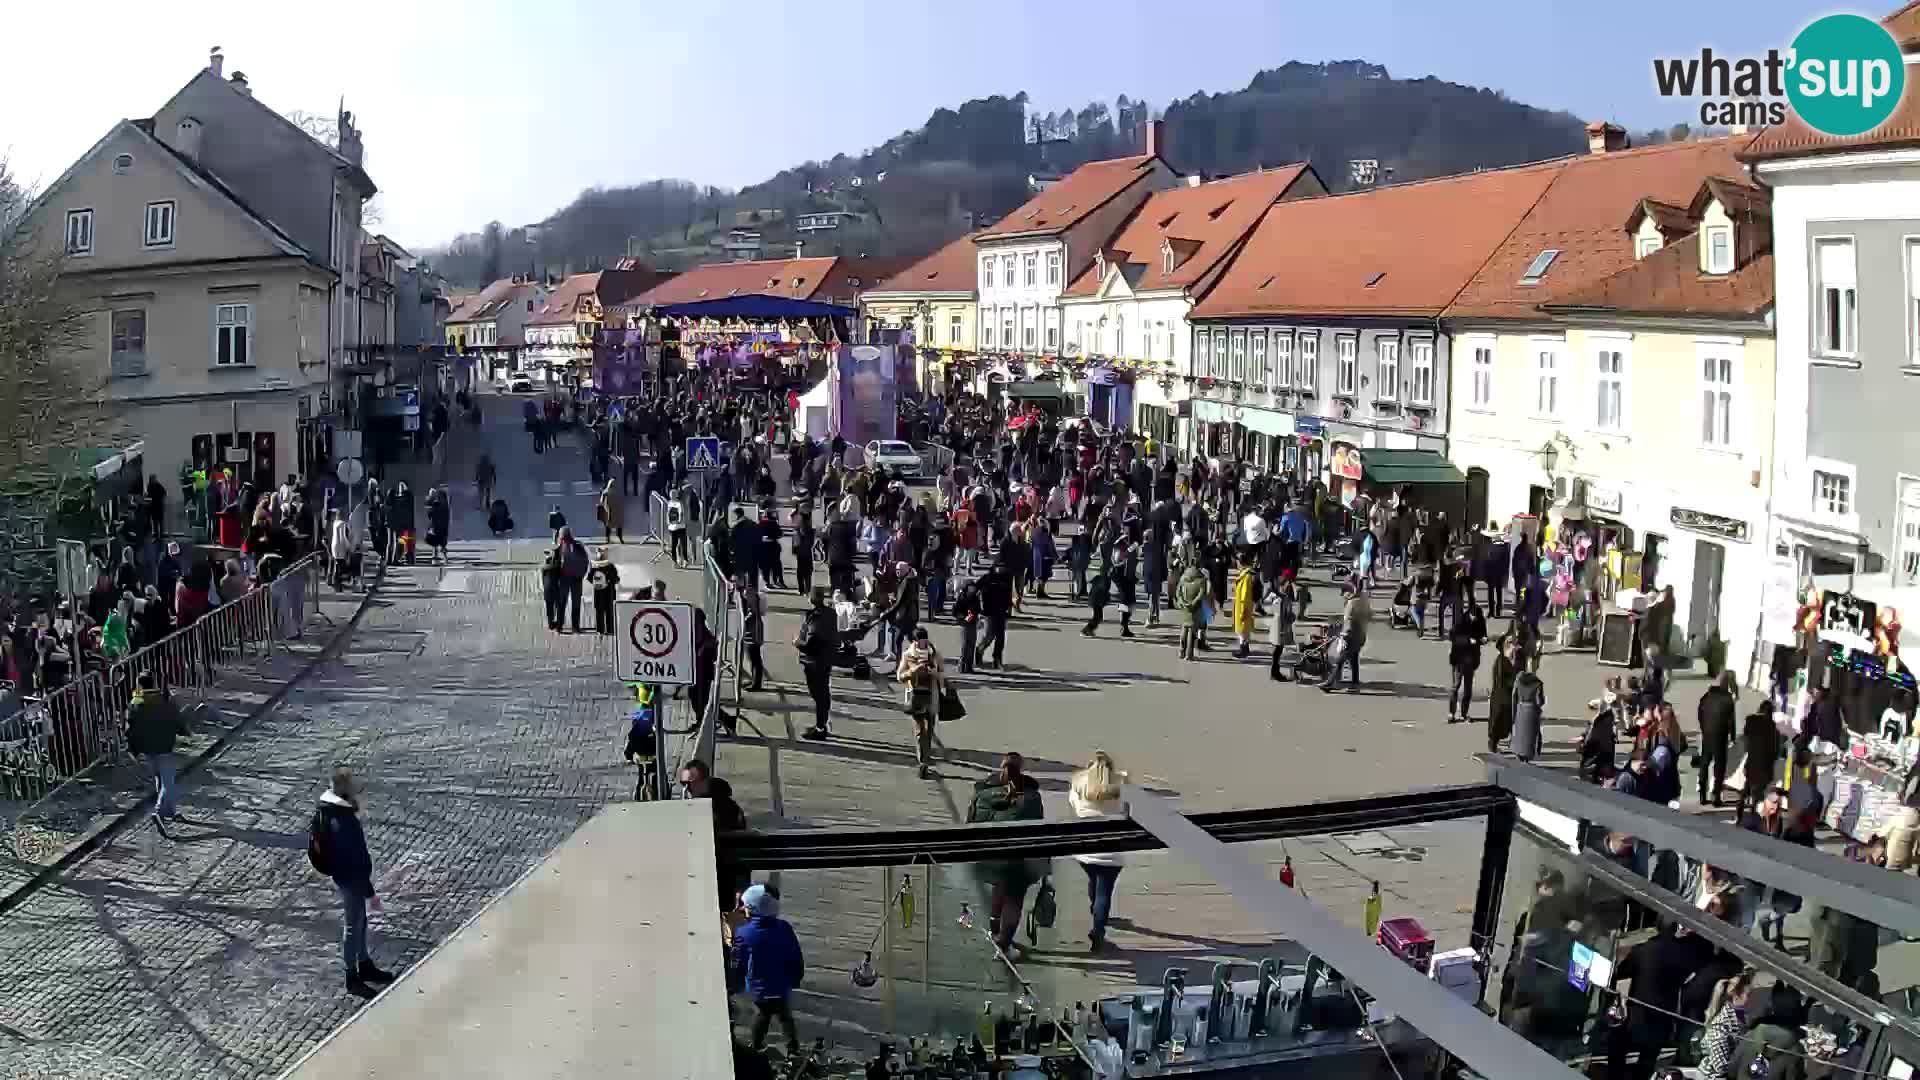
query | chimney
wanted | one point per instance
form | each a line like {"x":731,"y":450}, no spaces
{"x":186,"y":138}
{"x":239,"y":81}
{"x":1606,"y":138}
{"x":1156,"y":133}
{"x":216,"y":62}
{"x":1737,"y":129}
{"x":1195,"y":179}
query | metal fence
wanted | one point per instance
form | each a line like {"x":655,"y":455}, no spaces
{"x":76,"y":735}
{"x":933,"y":458}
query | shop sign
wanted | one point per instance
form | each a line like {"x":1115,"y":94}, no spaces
{"x":1846,"y":619}
{"x":1702,"y":522}
{"x":1780,"y":603}
{"x":1346,"y":462}
{"x":1605,"y":500}
{"x":1308,"y":425}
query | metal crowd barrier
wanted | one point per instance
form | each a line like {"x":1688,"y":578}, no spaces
{"x":933,"y":458}
{"x":657,"y":519}
{"x":77,"y":733}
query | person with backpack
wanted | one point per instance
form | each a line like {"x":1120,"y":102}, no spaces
{"x":337,"y":847}
{"x":154,"y":725}
{"x":818,"y":643}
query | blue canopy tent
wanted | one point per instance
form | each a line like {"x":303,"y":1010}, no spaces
{"x":754,"y":306}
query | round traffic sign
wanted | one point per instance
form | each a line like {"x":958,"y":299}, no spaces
{"x":350,"y":471}
{"x":653,"y":633}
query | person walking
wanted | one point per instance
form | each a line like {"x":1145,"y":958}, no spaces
{"x":574,"y":564}
{"x":1191,"y":595}
{"x":1463,"y":656}
{"x":485,"y":475}
{"x":337,"y":846}
{"x":1354,"y":618}
{"x":1125,"y":582}
{"x":605,"y":579}
{"x":1008,"y":795}
{"x":1506,"y":667}
{"x":996,"y":605}
{"x":767,"y":958}
{"x":1099,"y":595}
{"x":154,"y":726}
{"x":612,"y":512}
{"x":1717,"y":712}
{"x":1285,"y":602}
{"x":817,"y":643}
{"x":753,"y":631}
{"x":1760,"y":744}
{"x":1095,"y":793}
{"x":922,"y":681}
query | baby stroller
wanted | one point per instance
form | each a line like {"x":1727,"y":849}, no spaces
{"x":1400,"y":611}
{"x":848,"y":657}
{"x":1316,"y":656}
{"x":499,"y":519}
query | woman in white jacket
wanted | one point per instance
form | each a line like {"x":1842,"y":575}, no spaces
{"x":1096,"y":793}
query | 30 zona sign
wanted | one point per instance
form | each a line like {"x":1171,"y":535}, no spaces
{"x":655,"y":642}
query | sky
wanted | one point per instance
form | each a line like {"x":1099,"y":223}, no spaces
{"x":498,"y":110}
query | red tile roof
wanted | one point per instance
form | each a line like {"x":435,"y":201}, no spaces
{"x":486,"y":301}
{"x":1580,"y":216}
{"x":799,"y":279}
{"x":1795,"y":139}
{"x":560,"y":306}
{"x":948,"y":270}
{"x":1202,"y":224}
{"x":1669,"y":282}
{"x":855,"y":274}
{"x":1667,"y":217}
{"x":1417,"y":243}
{"x":1071,"y":198}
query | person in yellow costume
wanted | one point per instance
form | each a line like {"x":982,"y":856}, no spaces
{"x":1246,"y":595}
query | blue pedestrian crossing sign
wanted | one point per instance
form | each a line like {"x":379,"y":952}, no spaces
{"x":703,"y":453}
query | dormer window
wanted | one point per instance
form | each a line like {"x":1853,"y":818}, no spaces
{"x":1100,"y":265}
{"x":1645,"y":246}
{"x":1166,"y":259}
{"x":1719,"y":250}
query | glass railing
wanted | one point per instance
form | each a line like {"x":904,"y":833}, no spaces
{"x":914,"y":961}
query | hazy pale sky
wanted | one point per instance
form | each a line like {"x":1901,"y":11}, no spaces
{"x":492,"y":109}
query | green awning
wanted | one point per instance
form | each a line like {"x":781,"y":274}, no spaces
{"x":1394,"y":467}
{"x":1025,"y":390}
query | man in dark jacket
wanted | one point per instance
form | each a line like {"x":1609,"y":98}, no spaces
{"x":1773,"y":1037}
{"x":154,"y":725}
{"x":818,"y":642}
{"x":1496,"y":564}
{"x":1469,"y":634}
{"x":1717,"y":720}
{"x":767,"y":958}
{"x":996,"y":604}
{"x":744,"y":542}
{"x":351,"y":868}
{"x":1658,"y":969}
{"x":1008,"y":795}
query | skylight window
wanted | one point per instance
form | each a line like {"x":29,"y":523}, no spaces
{"x":1375,"y":279}
{"x":1168,"y":220}
{"x":1269,"y":281}
{"x":1214,"y":214}
{"x":1537,"y":269}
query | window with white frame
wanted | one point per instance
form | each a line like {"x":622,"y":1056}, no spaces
{"x":128,"y":355}
{"x":1720,"y":250}
{"x":1610,"y":390}
{"x":1053,"y":330}
{"x":1421,"y":386}
{"x":1832,"y":493}
{"x":1033,"y":264}
{"x":1306,"y":366}
{"x":1219,"y":354}
{"x":1053,"y":268}
{"x":232,"y":333}
{"x":953,"y":329}
{"x":1006,"y":271}
{"x":79,"y":232}
{"x":1482,"y":372}
{"x":1237,"y":355}
{"x":159,"y":224}
{"x":986,"y":327}
{"x":1257,"y":357}
{"x":1007,"y":340}
{"x":1838,"y":319}
{"x":1546,"y":381}
{"x":1146,"y":340}
{"x":1913,"y":302}
{"x":1346,"y":376}
{"x":1119,"y":335}
{"x":1716,"y":401}
{"x":986,"y":272}
{"x":1386,"y":371}
{"x":1909,"y":532}
{"x":1202,"y":353}
{"x":1646,"y":246}
{"x":1282,"y":358}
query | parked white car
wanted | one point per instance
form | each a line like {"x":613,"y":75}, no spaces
{"x":891,"y":454}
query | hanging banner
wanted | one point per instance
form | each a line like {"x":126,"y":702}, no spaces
{"x":1779,"y":603}
{"x":1346,"y":463}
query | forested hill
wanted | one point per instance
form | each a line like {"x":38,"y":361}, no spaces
{"x":972,"y":164}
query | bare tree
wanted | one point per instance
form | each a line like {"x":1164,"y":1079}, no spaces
{"x":50,"y":406}
{"x":325,"y":130}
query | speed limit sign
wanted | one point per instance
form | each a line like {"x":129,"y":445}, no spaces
{"x":654,"y":643}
